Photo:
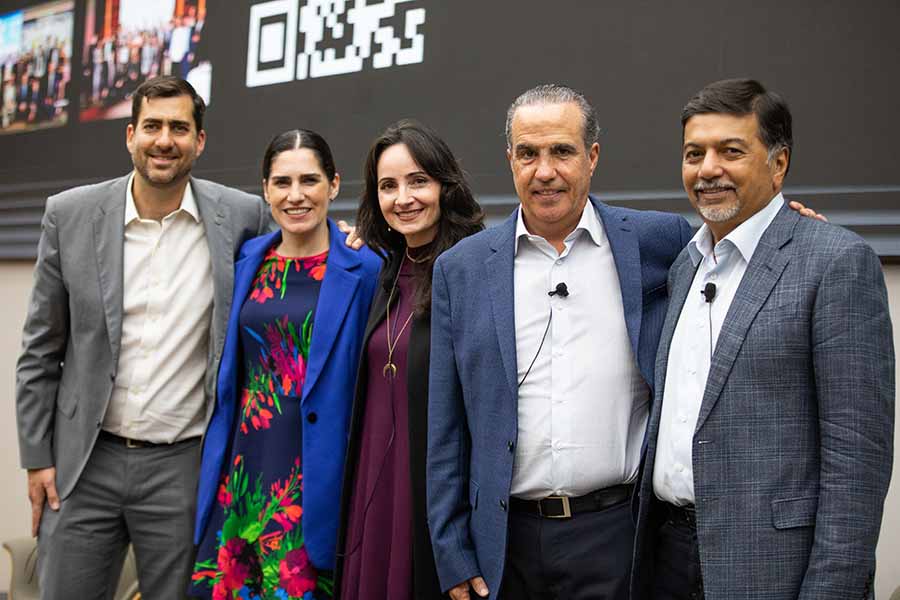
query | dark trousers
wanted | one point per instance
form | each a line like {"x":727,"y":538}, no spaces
{"x":676,"y":564}
{"x":145,"y":496}
{"x":585,"y":557}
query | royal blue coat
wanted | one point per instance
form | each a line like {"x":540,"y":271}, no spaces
{"x":341,"y":312}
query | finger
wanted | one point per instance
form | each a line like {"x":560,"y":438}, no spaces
{"x":52,"y":496}
{"x":480,"y":587}
{"x":357,"y":244}
{"x":343,"y":226}
{"x":460,"y":592}
{"x":822,"y":218}
{"x":36,"y":509}
{"x":796,"y":205}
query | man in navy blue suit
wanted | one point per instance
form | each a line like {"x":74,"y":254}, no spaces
{"x":544,"y":334}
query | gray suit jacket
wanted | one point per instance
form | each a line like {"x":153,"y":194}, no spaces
{"x":793,"y":446}
{"x":71,"y":341}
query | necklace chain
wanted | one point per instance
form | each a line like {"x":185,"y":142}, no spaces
{"x":390,"y":369}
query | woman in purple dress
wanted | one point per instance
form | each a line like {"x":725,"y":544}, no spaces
{"x":416,"y":204}
{"x":273,"y":453}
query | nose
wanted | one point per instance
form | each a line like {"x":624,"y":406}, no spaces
{"x":295,"y":193}
{"x":546,"y":169}
{"x":404,"y":196}
{"x":164,"y":138}
{"x":711,"y":166}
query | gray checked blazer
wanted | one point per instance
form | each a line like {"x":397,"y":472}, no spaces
{"x":72,"y":335}
{"x":793,"y":446}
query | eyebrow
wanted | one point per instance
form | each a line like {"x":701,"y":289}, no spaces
{"x":733,"y":140}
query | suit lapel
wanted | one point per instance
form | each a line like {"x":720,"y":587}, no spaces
{"x":682,"y":278}
{"x":501,"y":292}
{"x":109,"y":239}
{"x":623,"y":242}
{"x":762,"y":274}
{"x":214,"y":213}
{"x":335,"y":296}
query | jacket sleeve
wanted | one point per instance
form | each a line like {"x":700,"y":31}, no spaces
{"x":44,"y":340}
{"x":447,"y":467}
{"x":853,"y":358}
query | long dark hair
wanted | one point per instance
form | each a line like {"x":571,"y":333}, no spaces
{"x":295,"y":139}
{"x":461,"y":215}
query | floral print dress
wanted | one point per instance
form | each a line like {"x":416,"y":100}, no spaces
{"x":253,"y":547}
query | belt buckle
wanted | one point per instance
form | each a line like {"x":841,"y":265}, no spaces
{"x":567,"y":509}
{"x":130,"y":443}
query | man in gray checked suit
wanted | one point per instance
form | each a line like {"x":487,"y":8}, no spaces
{"x":125,"y":325}
{"x":771,"y":432}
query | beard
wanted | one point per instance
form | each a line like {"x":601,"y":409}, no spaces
{"x":719,"y":214}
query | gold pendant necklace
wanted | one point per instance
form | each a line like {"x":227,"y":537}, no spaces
{"x":390,"y":369}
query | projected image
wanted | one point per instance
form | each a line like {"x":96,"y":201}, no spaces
{"x":35,"y":53}
{"x":129,"y":41}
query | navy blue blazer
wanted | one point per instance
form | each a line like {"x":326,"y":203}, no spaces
{"x":341,"y":313}
{"x":472,"y":420}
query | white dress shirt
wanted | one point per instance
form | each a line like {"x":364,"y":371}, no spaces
{"x":693,"y":343}
{"x":583,"y":407}
{"x":167,"y":307}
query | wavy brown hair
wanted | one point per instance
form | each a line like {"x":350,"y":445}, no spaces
{"x":461,"y":215}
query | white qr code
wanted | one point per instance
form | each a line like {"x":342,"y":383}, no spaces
{"x":304,"y":39}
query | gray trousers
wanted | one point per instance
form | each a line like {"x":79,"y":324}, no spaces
{"x":145,"y":496}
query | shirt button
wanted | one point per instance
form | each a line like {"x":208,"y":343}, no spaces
{"x":683,"y":419}
{"x":312,"y":417}
{"x":559,"y":261}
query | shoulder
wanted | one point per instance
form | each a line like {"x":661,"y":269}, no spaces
{"x":649,"y":222}
{"x":477,"y":246}
{"x":233,"y":196}
{"x":90,"y":195}
{"x":258,"y":244}
{"x":825,"y":237}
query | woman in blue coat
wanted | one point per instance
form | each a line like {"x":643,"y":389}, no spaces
{"x":270,"y":479}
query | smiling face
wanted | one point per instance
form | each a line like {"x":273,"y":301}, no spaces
{"x":408,"y":196}
{"x":551,"y":167}
{"x":726,"y":170}
{"x":299,"y":192}
{"x":165,"y":143}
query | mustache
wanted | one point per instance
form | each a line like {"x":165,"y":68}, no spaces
{"x":706,"y":186}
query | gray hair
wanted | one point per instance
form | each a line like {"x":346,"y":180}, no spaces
{"x":554,"y":93}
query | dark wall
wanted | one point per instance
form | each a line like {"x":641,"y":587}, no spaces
{"x":835,"y":62}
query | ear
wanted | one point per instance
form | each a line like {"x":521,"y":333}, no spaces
{"x":779,"y":167}
{"x":335,"y":187}
{"x":265,"y":192}
{"x":594,"y":155}
{"x":201,"y":142}
{"x":129,"y":138}
{"x":509,"y":156}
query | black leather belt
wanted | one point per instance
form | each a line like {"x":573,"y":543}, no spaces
{"x":684,"y":516}
{"x":563,"y":507}
{"x":132,"y":443}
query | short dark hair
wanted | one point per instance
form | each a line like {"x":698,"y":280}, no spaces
{"x":294,"y":140}
{"x":167,"y":86}
{"x":554,"y":93}
{"x":461,"y":215}
{"x":744,"y":97}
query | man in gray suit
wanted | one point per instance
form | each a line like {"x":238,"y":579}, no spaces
{"x":771,"y":432}
{"x":132,"y":289}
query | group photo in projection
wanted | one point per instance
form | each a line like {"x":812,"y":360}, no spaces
{"x":127,"y":42}
{"x":35,"y":66}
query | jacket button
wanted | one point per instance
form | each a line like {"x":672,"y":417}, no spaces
{"x":312,"y":417}
{"x":503,"y":505}
{"x":509,"y":446}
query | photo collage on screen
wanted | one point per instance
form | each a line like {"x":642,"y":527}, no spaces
{"x":129,"y":41}
{"x":35,"y":65}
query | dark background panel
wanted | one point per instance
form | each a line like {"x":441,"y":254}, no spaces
{"x":639,"y":62}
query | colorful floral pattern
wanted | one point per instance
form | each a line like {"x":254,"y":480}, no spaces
{"x":254,"y":548}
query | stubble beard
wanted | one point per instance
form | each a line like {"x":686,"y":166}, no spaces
{"x":719,"y":214}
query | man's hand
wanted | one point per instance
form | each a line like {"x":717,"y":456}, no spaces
{"x":41,"y":487}
{"x":804,"y":211}
{"x":461,"y":591}
{"x":353,"y":240}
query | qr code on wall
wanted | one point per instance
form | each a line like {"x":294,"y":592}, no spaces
{"x":305,"y":39}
